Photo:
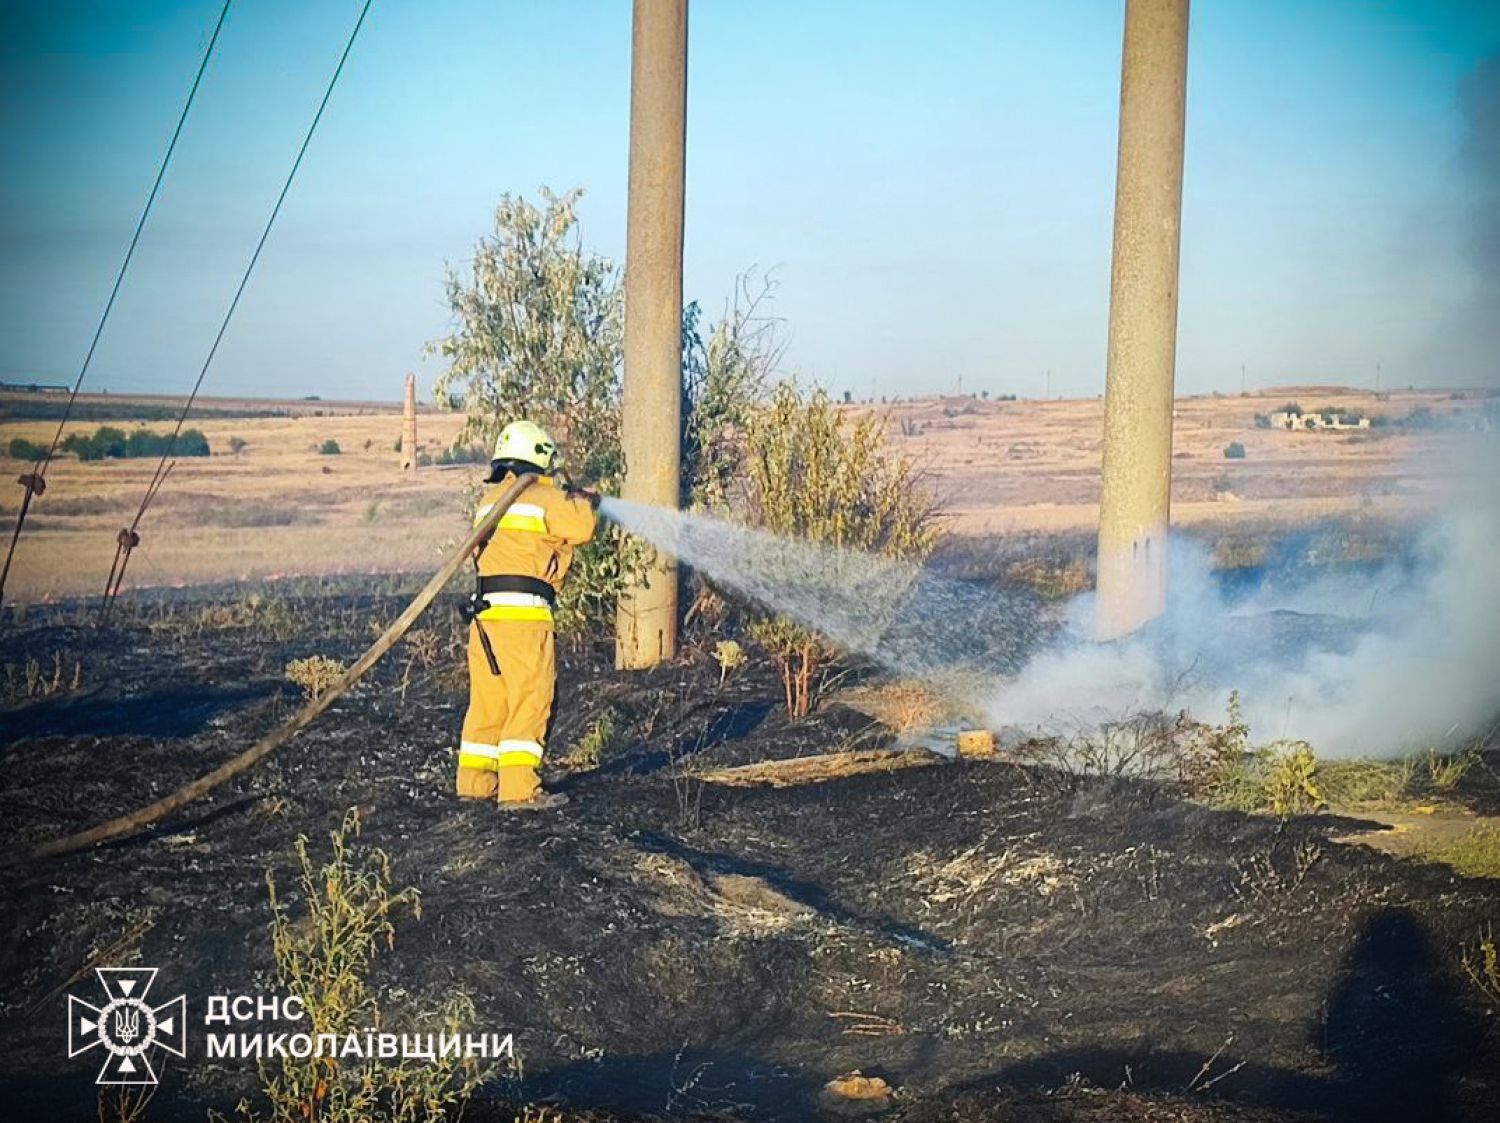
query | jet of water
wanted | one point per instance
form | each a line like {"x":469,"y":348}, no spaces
{"x":897,"y":613}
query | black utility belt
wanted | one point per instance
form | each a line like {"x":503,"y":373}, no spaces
{"x":514,"y":583}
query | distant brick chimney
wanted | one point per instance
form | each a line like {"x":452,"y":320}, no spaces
{"x":409,"y":427}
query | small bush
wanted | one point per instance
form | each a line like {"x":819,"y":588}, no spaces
{"x":730,"y":656}
{"x":324,"y":958}
{"x":314,"y":674}
{"x":1234,"y":451}
{"x":1219,"y":766}
{"x":1051,"y":578}
{"x":22,"y":449}
{"x":907,"y":706}
{"x":1213,"y":756}
{"x":330,"y":447}
{"x":1291,"y":782}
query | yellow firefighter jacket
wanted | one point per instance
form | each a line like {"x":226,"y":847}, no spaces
{"x":535,"y":539}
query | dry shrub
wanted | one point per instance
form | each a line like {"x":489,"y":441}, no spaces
{"x":903,"y":706}
{"x":811,"y":477}
{"x":314,"y":674}
{"x":1212,"y":753}
{"x":1145,"y":746}
{"x":424,"y":647}
{"x":1445,"y":772}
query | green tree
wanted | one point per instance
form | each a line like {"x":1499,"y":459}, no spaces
{"x":538,"y":333}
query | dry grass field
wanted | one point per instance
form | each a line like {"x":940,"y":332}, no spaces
{"x":279,"y":506}
{"x":276,"y":507}
{"x":1033,"y":466}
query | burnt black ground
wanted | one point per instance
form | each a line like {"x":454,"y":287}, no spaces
{"x":1034,"y":939}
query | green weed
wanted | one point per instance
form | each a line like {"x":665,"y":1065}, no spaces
{"x":323,"y":956}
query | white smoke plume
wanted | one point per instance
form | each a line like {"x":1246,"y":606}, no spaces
{"x":1369,"y":663}
{"x":1357,"y":665}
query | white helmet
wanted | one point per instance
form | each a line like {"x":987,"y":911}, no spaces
{"x":527,"y":442}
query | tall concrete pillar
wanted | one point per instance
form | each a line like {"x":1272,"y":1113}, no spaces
{"x":409,"y":426}
{"x":651,"y":415}
{"x":1137,"y":472}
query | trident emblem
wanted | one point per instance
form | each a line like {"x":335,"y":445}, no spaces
{"x":127,"y":1025}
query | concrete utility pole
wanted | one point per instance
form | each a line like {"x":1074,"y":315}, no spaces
{"x":651,"y":410}
{"x":409,"y":427}
{"x":1137,"y":475}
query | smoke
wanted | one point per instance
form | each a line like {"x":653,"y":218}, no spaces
{"x":1372,"y":661}
{"x":1355,"y":663}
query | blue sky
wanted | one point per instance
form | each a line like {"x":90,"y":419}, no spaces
{"x":933,"y":184}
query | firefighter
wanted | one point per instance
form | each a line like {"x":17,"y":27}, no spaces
{"x":512,"y":672}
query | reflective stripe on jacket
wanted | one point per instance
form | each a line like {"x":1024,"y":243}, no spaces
{"x":535,"y":538}
{"x":515,"y":606}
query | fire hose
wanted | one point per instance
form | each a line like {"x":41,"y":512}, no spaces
{"x":145,"y":816}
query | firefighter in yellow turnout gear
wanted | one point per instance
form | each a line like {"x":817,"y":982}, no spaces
{"x":512,"y":672}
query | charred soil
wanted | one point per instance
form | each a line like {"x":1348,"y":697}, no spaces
{"x":994,"y":942}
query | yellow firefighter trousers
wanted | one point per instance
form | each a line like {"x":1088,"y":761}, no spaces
{"x":506,"y":723}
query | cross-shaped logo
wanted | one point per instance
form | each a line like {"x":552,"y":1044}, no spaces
{"x":127,"y":1026}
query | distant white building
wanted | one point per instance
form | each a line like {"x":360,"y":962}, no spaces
{"x":1296,"y":420}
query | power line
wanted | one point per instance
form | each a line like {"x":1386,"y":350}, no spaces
{"x":35,"y":482}
{"x":129,"y":538}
